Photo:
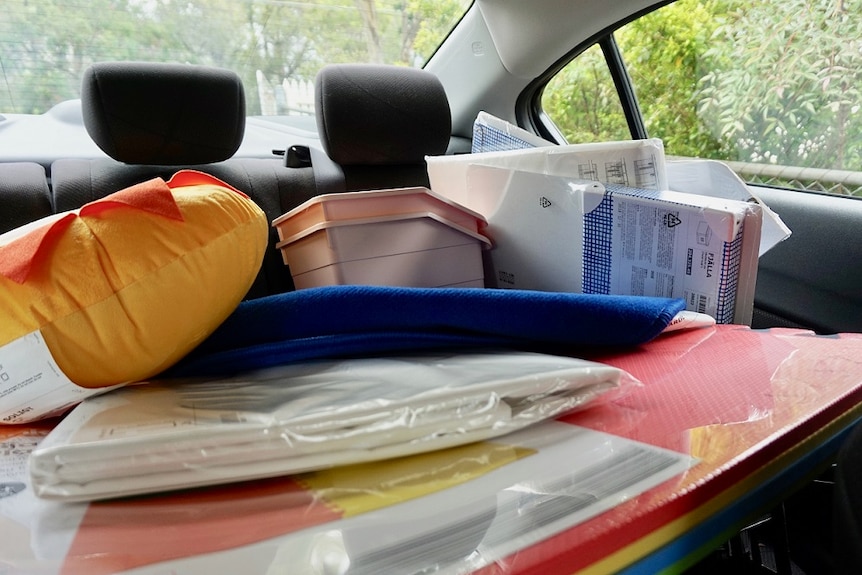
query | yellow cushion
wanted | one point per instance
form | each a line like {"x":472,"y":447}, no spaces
{"x":124,"y":287}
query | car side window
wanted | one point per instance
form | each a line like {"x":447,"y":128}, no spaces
{"x":774,"y":88}
{"x":582,"y":101}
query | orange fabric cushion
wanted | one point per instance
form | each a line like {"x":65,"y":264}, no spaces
{"x":127,"y":285}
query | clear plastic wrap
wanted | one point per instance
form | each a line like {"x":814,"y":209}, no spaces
{"x":301,"y":417}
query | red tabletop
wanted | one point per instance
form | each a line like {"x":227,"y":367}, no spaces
{"x":757,"y":412}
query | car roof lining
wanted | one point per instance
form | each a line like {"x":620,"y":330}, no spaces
{"x":530,"y":36}
{"x":501,"y":47}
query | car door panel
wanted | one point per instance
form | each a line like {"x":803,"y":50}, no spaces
{"x":813,"y":279}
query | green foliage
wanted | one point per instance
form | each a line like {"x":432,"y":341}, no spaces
{"x":47,"y":44}
{"x":791,"y":97}
{"x":777,"y":82}
{"x":663,"y":52}
{"x":430,"y":20}
{"x":583,"y":102}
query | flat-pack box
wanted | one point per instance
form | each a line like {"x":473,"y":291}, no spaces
{"x":558,"y":233}
{"x":632,"y":163}
{"x":402,"y":237}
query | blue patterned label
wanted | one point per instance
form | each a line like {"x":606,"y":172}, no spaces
{"x":638,"y":242}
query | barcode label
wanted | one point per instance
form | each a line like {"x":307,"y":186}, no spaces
{"x":699,"y":302}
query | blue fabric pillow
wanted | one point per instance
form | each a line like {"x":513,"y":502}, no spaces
{"x":346,"y":321}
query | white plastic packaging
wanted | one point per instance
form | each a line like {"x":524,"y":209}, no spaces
{"x":302,"y":417}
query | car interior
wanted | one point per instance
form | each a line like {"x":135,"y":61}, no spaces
{"x":373,"y":126}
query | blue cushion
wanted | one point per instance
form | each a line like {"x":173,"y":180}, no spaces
{"x":349,"y":321}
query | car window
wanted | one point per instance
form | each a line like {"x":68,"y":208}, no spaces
{"x":275,"y":47}
{"x":772,"y":87}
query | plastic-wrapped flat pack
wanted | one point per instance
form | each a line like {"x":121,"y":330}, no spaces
{"x":305,"y":416}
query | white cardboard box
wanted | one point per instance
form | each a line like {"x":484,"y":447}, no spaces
{"x":556,"y":233}
{"x":634,"y":163}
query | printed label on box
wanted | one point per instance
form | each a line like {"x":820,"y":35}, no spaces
{"x":656,"y":247}
{"x":636,"y":245}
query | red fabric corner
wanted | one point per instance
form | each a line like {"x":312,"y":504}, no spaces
{"x":196,"y":178}
{"x":153,"y":196}
{"x":21,"y":255}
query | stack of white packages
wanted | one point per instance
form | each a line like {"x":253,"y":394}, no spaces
{"x":302,"y":417}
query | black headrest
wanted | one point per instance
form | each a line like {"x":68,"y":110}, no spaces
{"x":167,"y":114}
{"x":372,"y":114}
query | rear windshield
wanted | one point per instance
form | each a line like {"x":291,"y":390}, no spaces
{"x":276,"y":47}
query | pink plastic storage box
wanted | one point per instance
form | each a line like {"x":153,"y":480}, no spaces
{"x":372,"y":204}
{"x":393,"y":247}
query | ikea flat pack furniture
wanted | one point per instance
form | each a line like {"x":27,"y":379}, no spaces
{"x":726,"y":423}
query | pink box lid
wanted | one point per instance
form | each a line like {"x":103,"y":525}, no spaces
{"x":371,"y":204}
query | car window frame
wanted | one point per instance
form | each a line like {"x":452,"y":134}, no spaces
{"x":530,"y":114}
{"x":528,"y":106}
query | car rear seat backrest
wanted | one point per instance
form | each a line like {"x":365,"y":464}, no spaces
{"x":25,"y":195}
{"x":376,"y":125}
{"x":154,"y":119}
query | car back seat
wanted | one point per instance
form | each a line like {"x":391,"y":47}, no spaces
{"x":25,"y":194}
{"x":377,"y":123}
{"x":154,"y":119}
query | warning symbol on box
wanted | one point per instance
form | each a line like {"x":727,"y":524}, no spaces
{"x":672,"y":220}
